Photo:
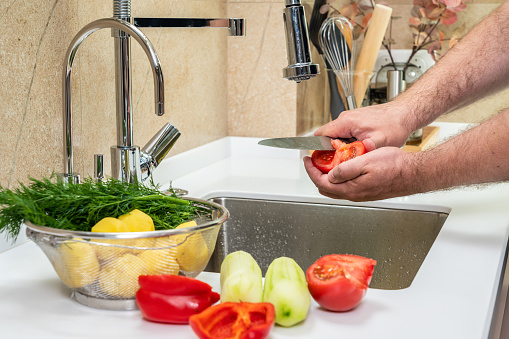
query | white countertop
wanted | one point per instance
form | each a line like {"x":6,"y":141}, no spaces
{"x":452,"y":296}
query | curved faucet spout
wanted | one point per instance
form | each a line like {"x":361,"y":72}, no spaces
{"x":68,"y":62}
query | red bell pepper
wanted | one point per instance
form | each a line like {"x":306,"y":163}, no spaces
{"x":173,"y":299}
{"x":234,"y":320}
{"x":173,"y":284}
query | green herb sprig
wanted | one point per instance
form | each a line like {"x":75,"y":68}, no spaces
{"x":55,"y":203}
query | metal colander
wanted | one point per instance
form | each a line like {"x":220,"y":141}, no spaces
{"x":102,"y":269}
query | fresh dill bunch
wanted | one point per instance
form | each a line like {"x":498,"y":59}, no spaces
{"x":58,"y":204}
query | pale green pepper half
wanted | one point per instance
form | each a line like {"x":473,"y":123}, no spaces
{"x":241,"y":278}
{"x":286,"y":288}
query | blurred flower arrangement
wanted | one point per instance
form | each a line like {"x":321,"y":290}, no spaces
{"x":358,"y":11}
{"x":426,"y":18}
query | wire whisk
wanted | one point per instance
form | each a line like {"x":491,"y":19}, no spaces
{"x":338,"y":40}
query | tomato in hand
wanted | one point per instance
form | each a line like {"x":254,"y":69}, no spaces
{"x":338,"y":282}
{"x":327,"y":160}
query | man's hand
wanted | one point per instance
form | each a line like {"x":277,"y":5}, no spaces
{"x":377,"y":126}
{"x":380,"y":174}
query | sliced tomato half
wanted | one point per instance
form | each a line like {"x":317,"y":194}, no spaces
{"x":325,"y":160}
{"x":338,"y":282}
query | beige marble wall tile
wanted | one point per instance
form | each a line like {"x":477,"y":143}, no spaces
{"x":260,"y":101}
{"x":31,"y":51}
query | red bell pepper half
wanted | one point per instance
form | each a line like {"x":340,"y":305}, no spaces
{"x":173,"y":299}
{"x":231,"y":320}
{"x":173,"y":284}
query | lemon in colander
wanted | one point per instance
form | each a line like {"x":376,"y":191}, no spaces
{"x":119,"y":278}
{"x":76,"y":263}
{"x":192,"y":254}
{"x":161,"y":261}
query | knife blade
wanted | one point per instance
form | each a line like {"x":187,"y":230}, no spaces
{"x":320,"y":143}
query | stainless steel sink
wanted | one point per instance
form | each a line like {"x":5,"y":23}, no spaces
{"x":398,"y":239}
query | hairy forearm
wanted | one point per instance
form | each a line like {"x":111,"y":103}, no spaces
{"x":475,"y":67}
{"x":479,"y":155}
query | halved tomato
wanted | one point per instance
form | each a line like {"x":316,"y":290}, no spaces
{"x":338,"y":282}
{"x":325,"y":160}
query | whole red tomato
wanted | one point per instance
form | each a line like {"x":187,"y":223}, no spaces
{"x":338,"y":282}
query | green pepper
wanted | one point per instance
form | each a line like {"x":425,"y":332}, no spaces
{"x":285,"y":287}
{"x":241,"y":278}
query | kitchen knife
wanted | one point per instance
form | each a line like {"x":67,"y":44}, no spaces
{"x":320,"y":143}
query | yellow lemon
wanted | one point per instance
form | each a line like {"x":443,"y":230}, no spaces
{"x":137,"y":221}
{"x":192,"y":253}
{"x":120,"y":277}
{"x":76,"y":264}
{"x":110,"y":224}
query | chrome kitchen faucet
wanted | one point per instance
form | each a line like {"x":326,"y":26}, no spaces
{"x":128,"y":162}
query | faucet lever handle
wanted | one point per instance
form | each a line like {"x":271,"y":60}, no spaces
{"x":156,"y":149}
{"x":161,"y":142}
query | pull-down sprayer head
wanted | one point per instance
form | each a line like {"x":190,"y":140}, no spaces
{"x":300,"y":66}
